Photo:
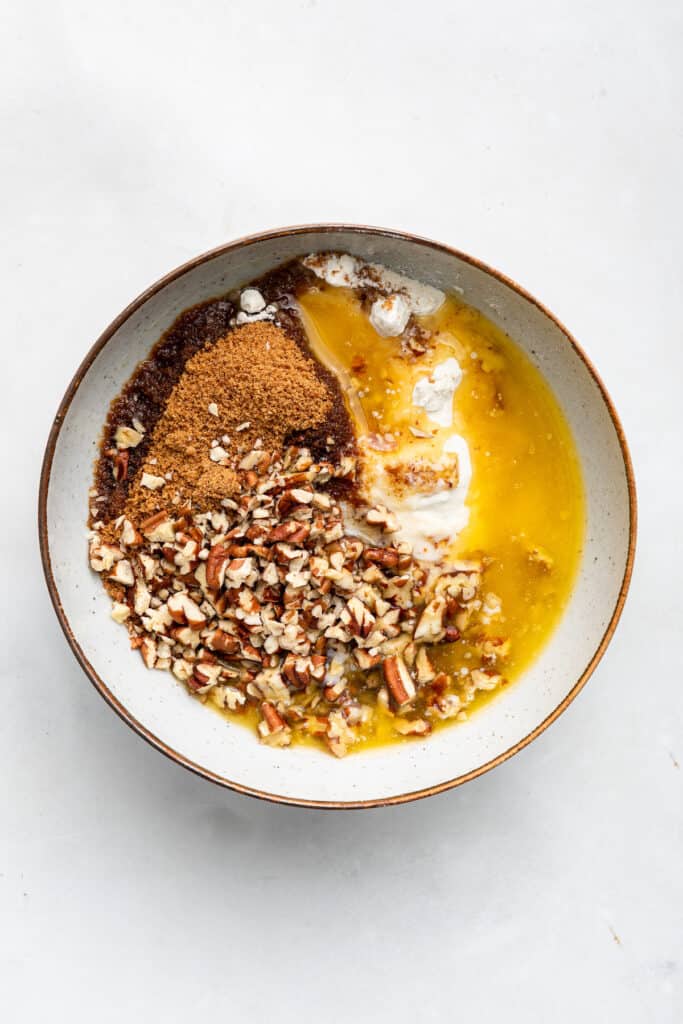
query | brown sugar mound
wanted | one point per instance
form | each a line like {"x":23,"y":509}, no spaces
{"x":255,"y":375}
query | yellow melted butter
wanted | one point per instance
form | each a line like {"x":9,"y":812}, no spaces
{"x":526,"y":497}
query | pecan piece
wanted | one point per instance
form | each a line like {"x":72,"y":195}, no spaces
{"x":398,"y":679}
{"x":412,"y":726}
{"x":131,"y":537}
{"x":381,"y":516}
{"x":158,"y":527}
{"x":424,"y":668}
{"x":387,"y":557}
{"x":365,"y":659}
{"x":430,"y":626}
{"x":272,"y":728}
{"x":216,"y":564}
{"x":183,"y":609}
{"x":297,"y":671}
{"x":127,"y":437}
{"x":290,"y":531}
{"x":119,"y":466}
{"x":221,"y":641}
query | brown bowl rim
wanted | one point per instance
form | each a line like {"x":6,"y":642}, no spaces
{"x":99,"y":683}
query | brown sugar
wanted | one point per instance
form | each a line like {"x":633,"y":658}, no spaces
{"x":255,"y":384}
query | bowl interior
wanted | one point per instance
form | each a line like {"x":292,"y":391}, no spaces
{"x":160,"y":708}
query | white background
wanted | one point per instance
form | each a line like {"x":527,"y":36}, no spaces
{"x":544,"y":138}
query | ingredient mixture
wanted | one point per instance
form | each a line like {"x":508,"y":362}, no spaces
{"x":338,"y":505}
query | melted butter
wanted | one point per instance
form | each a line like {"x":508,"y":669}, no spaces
{"x":525,"y":499}
{"x":526,"y":494}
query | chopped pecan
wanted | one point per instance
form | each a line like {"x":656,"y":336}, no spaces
{"x":398,"y":679}
{"x":158,"y":527}
{"x":388,"y":557}
{"x":184,"y":610}
{"x":412,"y":726}
{"x":216,"y":564}
{"x":382,"y":517}
{"x":119,"y":466}
{"x":430,"y":627}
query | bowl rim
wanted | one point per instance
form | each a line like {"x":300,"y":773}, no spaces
{"x":99,"y":683}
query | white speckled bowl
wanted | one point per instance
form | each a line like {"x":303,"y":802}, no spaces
{"x":159,"y":709}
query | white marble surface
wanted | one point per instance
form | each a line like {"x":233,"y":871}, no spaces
{"x":544,"y":138}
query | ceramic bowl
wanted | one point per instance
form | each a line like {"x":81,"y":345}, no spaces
{"x":160,"y":710}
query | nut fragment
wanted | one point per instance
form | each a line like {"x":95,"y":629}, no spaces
{"x":216,"y":564}
{"x":152,"y":482}
{"x":158,"y":527}
{"x":120,"y":466}
{"x":360,"y":618}
{"x":267,"y":601}
{"x":412,"y":726}
{"x":430,"y":627}
{"x":103,"y":556}
{"x":221,"y":641}
{"x":387,"y":557}
{"x":123,"y":573}
{"x":148,"y":650}
{"x":185,"y":611}
{"x":273,"y":728}
{"x":382,"y":517}
{"x":398,"y":679}
{"x":129,"y":535}
{"x":423,"y":666}
{"x":205,"y":674}
{"x":119,"y":612}
{"x":218,"y":454}
{"x":141,"y":597}
{"x":127,"y":437}
{"x":485,"y":680}
{"x":365,"y":659}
